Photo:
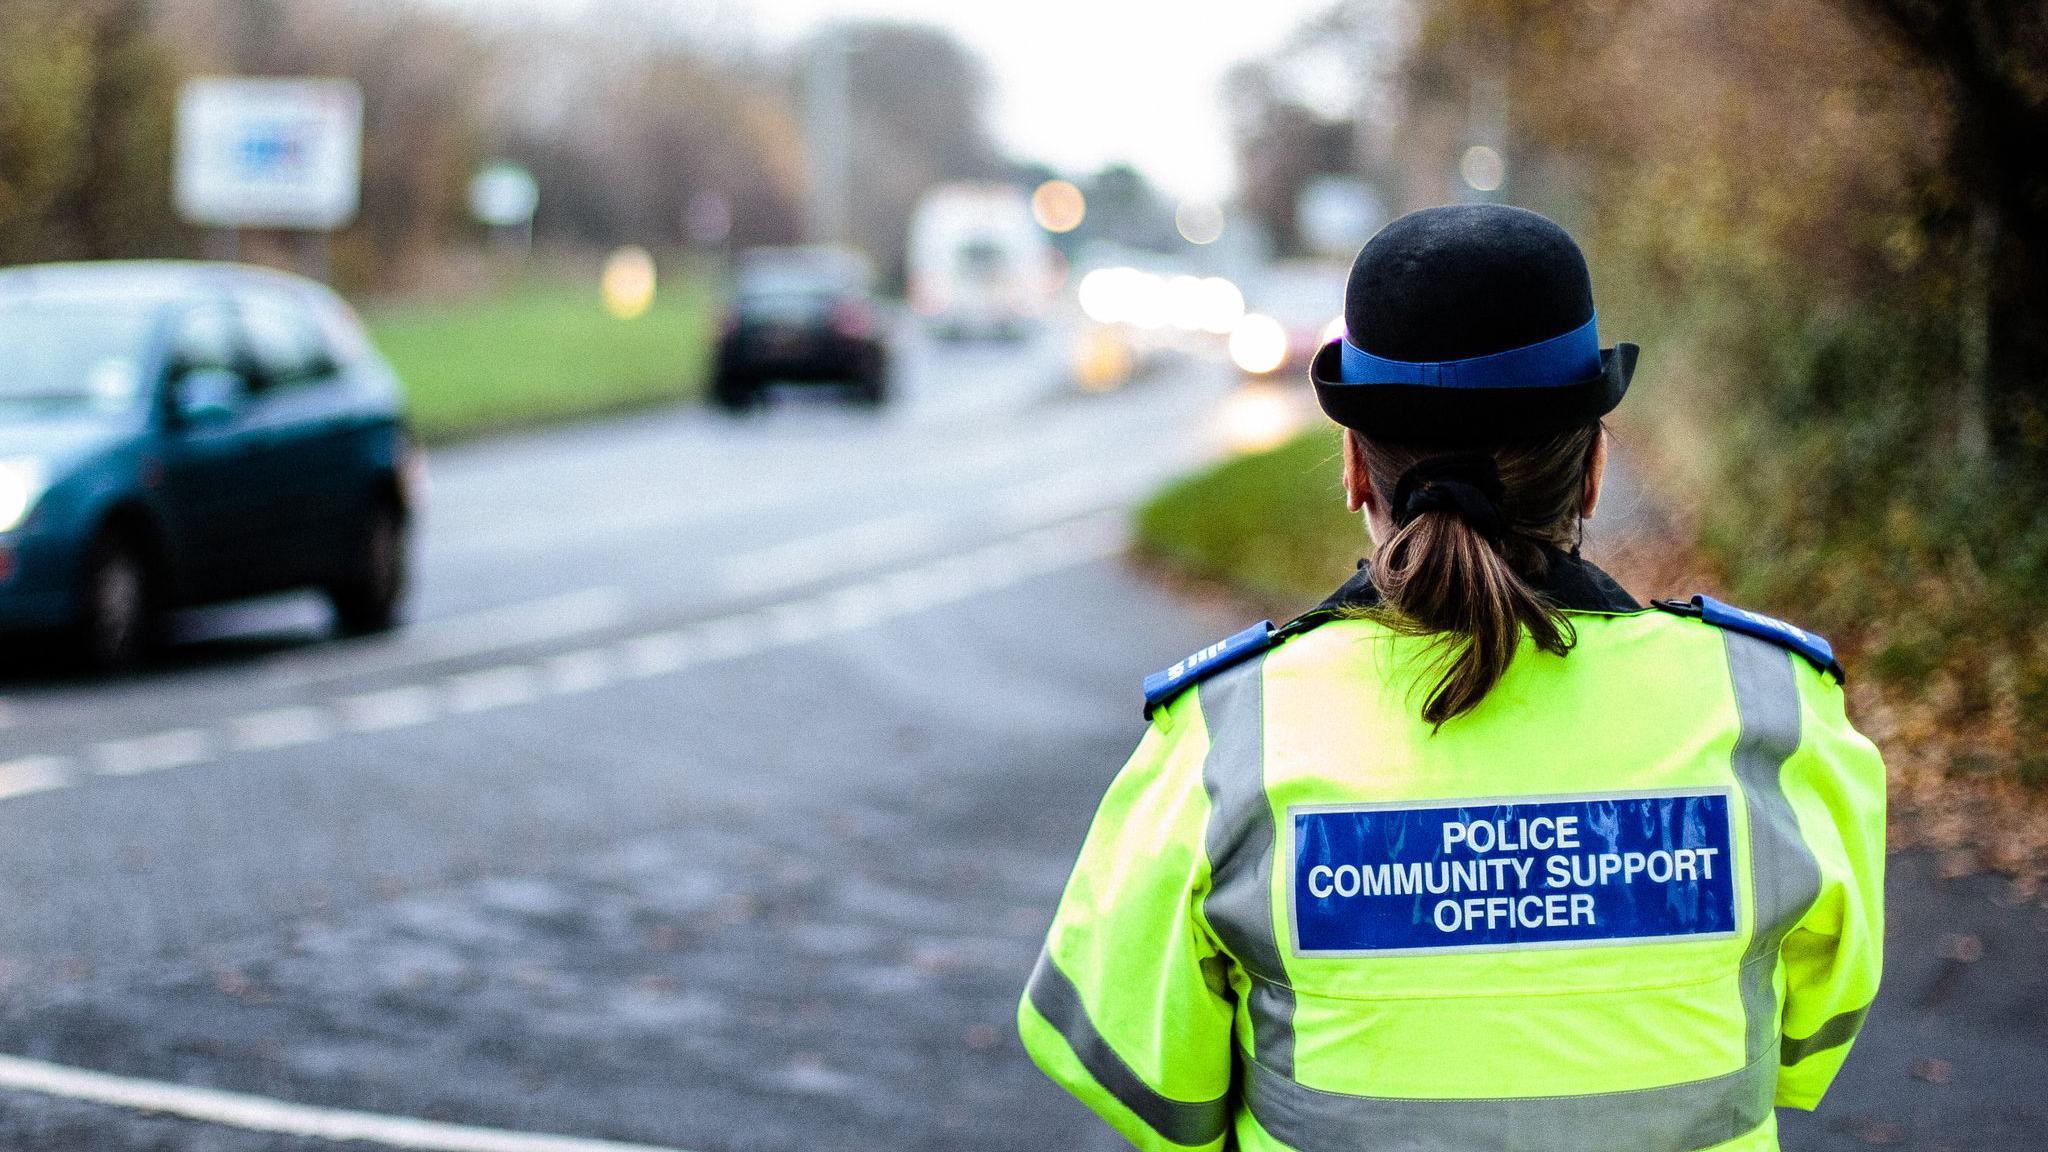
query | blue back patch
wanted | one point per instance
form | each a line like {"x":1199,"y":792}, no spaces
{"x":1163,"y":686}
{"x":1496,"y":875}
{"x":1816,"y":649}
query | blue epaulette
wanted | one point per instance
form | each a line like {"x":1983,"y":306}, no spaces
{"x":1163,"y":686}
{"x":1816,"y":649}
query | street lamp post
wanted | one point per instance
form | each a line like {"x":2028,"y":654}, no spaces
{"x":827,"y":124}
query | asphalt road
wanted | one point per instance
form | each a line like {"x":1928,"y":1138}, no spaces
{"x":717,"y":799}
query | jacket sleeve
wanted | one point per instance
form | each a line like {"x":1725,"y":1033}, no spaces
{"x":1834,"y":955}
{"x":1130,"y":1005}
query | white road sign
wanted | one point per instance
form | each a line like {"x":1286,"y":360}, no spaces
{"x":503,"y":195}
{"x":263,"y":153}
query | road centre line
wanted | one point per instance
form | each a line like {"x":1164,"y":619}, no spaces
{"x":971,"y":461}
{"x":389,"y":708}
{"x":794,"y":563}
{"x":280,"y":728}
{"x":850,"y":608}
{"x":27,"y":774}
{"x":500,"y":687}
{"x":282,"y":1118}
{"x":583,"y":670}
{"x":153,"y":753}
{"x":776,"y":568}
{"x":528,"y":622}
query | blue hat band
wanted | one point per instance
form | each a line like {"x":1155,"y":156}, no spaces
{"x":1568,"y":359}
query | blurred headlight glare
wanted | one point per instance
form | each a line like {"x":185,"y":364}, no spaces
{"x":1186,"y":303}
{"x":1222,"y":306}
{"x":22,"y":481}
{"x":1258,"y":344}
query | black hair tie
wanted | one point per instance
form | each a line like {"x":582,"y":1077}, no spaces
{"x":1465,"y":484}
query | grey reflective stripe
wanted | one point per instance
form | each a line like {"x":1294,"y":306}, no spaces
{"x":1240,"y":842}
{"x":1839,"y":1030}
{"x":1784,"y":878}
{"x":1674,"y":1118}
{"x":1271,"y":1007}
{"x":1189,"y":1123}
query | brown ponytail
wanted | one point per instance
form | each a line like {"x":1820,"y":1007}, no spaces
{"x":1440,"y":574}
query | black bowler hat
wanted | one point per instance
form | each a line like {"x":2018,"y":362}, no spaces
{"x":1471,"y":323}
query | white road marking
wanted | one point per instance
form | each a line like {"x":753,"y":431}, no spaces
{"x":787,"y":624}
{"x":655,"y":654}
{"x":868,"y":544}
{"x":846,"y":608}
{"x":1044,"y":499}
{"x":280,"y":728}
{"x":474,"y":634}
{"x":584,"y":670}
{"x":28,"y":774}
{"x":855,"y":607}
{"x":389,"y":708}
{"x":155,"y":753}
{"x":282,"y":1118}
{"x":492,"y":688}
{"x":726,"y":638}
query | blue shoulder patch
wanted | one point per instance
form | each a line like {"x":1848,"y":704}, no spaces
{"x":1816,"y":649}
{"x":1163,"y":686}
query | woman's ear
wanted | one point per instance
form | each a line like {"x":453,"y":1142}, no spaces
{"x":1357,"y":481}
{"x":1596,"y":471}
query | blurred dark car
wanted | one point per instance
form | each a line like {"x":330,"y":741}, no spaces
{"x":173,"y":434}
{"x":801,"y":315}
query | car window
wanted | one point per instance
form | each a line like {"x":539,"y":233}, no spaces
{"x":286,"y":345}
{"x":71,"y":351}
{"x":768,"y":272}
{"x":203,"y":337}
{"x":785,"y":306}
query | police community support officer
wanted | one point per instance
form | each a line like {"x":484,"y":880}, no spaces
{"x":1480,"y":853}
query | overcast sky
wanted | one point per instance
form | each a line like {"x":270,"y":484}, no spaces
{"x":1080,"y":83}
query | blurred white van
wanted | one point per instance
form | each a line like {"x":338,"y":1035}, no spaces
{"x":978,"y":265}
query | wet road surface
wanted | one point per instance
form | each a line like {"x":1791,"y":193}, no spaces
{"x":716,"y":799}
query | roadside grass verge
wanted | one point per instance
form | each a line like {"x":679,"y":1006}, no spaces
{"x":1271,"y":529}
{"x":1271,"y":525}
{"x":541,"y":349}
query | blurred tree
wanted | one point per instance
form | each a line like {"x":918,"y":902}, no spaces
{"x":1281,"y":145}
{"x":85,"y":105}
{"x":626,"y":122}
{"x":121,"y":203}
{"x":1124,"y":208}
{"x":625,"y":130}
{"x":1825,"y":220}
{"x":1992,"y":57}
{"x":917,"y":114}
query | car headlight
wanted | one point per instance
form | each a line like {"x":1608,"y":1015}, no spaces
{"x":22,"y":481}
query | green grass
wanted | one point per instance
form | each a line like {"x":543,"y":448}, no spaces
{"x":542,"y":350}
{"x":1272,"y":524}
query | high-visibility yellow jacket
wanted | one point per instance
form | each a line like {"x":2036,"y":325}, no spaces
{"x":1628,"y":904}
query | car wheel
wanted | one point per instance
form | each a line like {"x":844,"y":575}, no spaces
{"x":115,"y":609}
{"x":367,"y":599}
{"x":734,"y":393}
{"x":873,"y":391}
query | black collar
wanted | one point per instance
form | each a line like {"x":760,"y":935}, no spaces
{"x":1570,"y":581}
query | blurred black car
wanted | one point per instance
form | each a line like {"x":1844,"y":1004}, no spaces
{"x":801,"y":315}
